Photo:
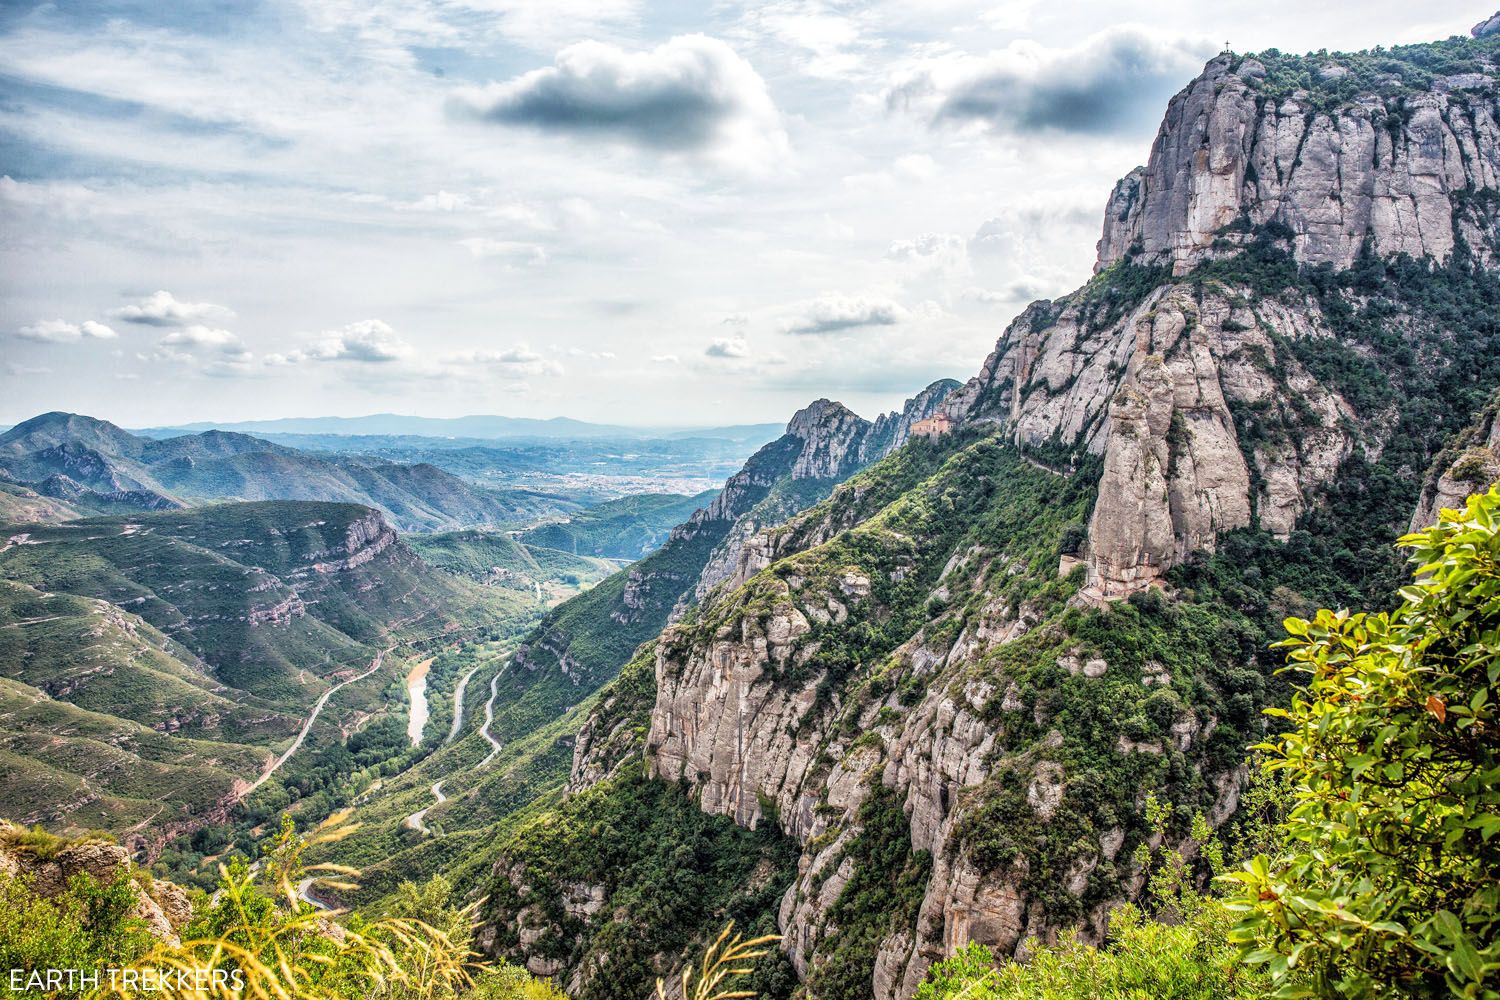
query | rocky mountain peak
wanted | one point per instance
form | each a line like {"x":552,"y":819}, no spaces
{"x":1489,"y":26}
{"x":1339,"y":151}
{"x":830,"y":433}
{"x":60,"y":428}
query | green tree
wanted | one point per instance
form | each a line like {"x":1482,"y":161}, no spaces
{"x":90,"y":925}
{"x":1389,"y":883}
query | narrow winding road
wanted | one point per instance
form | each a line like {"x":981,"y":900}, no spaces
{"x":414,"y":821}
{"x":458,"y":703}
{"x":307,"y":726}
{"x":306,"y":894}
{"x":417,"y":820}
{"x":489,"y":715}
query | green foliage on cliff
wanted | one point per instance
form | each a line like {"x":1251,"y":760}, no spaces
{"x":1335,"y":78}
{"x":1391,"y":879}
{"x":912,"y":511}
{"x":655,"y":871}
{"x":1187,"y":960}
{"x":1141,"y":725}
{"x":1416,"y":351}
{"x":87,"y":926}
{"x":881,"y":898}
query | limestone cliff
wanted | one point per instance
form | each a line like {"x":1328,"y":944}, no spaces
{"x":838,"y":444}
{"x":1190,"y":342}
{"x":1397,"y":166}
{"x":583,"y":643}
{"x":763,"y":720}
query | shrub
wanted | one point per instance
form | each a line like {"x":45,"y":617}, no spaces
{"x":1391,"y":881}
{"x":1143,"y":958}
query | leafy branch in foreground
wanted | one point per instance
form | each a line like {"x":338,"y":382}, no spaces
{"x":726,"y":958}
{"x":276,"y":946}
{"x":1390,"y":882}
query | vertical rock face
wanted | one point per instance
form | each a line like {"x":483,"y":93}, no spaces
{"x":1154,"y":394}
{"x":833,"y":440}
{"x":1152,"y":380}
{"x":1386,"y":167}
{"x":364,"y":539}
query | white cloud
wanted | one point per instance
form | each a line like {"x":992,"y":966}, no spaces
{"x":161,"y":308}
{"x":202,"y":336}
{"x":369,"y":341}
{"x":728,"y":347}
{"x":57,"y":331}
{"x":836,"y":313}
{"x":947,"y":252}
{"x":691,"y":94}
{"x":829,"y":44}
{"x":482,"y":248}
{"x":515,"y":362}
{"x":916,"y":166}
{"x":390,"y":26}
{"x":1111,"y":82}
{"x":665,"y":359}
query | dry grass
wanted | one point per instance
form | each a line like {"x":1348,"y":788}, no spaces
{"x":726,"y":959}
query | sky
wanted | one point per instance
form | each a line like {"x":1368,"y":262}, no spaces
{"x":682,"y":213}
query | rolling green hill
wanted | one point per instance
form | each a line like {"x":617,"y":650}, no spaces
{"x":24,"y":505}
{"x":275,"y":596}
{"x":502,"y":560}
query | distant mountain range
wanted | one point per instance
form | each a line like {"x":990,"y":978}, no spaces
{"x":61,"y":465}
{"x":480,"y":426}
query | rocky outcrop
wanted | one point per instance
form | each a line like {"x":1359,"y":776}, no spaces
{"x":1394,"y":167}
{"x":1470,"y":465}
{"x":279,"y":613}
{"x":1155,"y":393}
{"x":364,"y":539}
{"x":833,"y":440}
{"x":760,"y":737}
{"x":834,"y":444}
{"x":1162,"y":382}
{"x":61,"y":487}
{"x":162,"y":906}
